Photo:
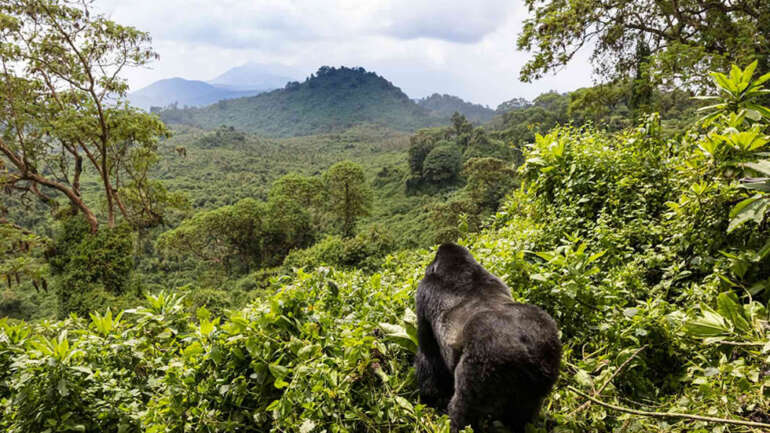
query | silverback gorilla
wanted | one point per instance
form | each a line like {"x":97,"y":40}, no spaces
{"x":479,"y":351}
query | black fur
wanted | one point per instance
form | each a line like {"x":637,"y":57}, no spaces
{"x":480,"y":353}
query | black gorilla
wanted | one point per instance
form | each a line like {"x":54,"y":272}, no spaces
{"x":480,"y":352}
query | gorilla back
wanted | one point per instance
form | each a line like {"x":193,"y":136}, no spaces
{"x":479,"y":351}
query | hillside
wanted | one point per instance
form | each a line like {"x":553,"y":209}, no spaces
{"x":185,"y":93}
{"x":606,"y":237}
{"x":237,"y":165}
{"x":446,"y":105}
{"x":332,"y":99}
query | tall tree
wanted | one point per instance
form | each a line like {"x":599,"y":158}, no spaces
{"x":228,"y":236}
{"x":63,"y":109}
{"x":348,"y":195}
{"x":686,"y":37}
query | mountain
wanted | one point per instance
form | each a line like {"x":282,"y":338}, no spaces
{"x":256,"y":76}
{"x":446,"y":105}
{"x":184,"y":93}
{"x":332,"y":99}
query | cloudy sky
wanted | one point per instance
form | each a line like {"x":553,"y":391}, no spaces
{"x":461,"y":48}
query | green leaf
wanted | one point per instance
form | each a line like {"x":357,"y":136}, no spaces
{"x":728,"y":305}
{"x":596,"y":256}
{"x":404,"y":403}
{"x":721,"y":80}
{"x":764,"y":251}
{"x":762,"y":79}
{"x":753,"y":208}
{"x":62,"y":388}
{"x":583,"y":378}
{"x":762,"y":166}
{"x":749,"y":71}
{"x":400,"y":336}
{"x":278,"y":371}
{"x":710,"y":324}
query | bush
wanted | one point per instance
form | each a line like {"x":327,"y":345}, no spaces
{"x":91,"y":269}
{"x":442,"y":165}
{"x":365,"y":251}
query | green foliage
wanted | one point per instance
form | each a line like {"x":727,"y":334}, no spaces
{"x":420,"y":145}
{"x":519,"y":125}
{"x":684,"y":38}
{"x":622,"y":237}
{"x":442,"y":165}
{"x":230,"y":235}
{"x":437,"y":155}
{"x":364,"y":251}
{"x":444,"y":106}
{"x":347,"y":194}
{"x":740,"y":94}
{"x":21,"y":257}
{"x":90,"y":269}
{"x":64,"y":113}
{"x":488,"y":181}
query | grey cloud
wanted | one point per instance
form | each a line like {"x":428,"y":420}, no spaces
{"x":256,"y":24}
{"x":452,"y":21}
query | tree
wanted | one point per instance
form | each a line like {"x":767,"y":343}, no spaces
{"x":347,"y":193}
{"x":442,"y":165}
{"x":226,"y":236}
{"x":91,"y":269}
{"x":489,"y":180}
{"x":420,"y":145}
{"x":306,"y":190}
{"x":686,"y":37}
{"x":21,"y":255}
{"x":462,"y":128}
{"x":63,"y":109}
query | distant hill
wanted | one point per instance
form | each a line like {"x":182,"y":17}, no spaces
{"x":446,"y":105}
{"x":256,"y":76}
{"x":332,"y":99}
{"x":184,"y":93}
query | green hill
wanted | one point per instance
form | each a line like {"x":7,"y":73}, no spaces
{"x":332,"y":99}
{"x":446,"y":105}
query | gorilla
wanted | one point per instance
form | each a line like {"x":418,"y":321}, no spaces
{"x":480,"y":352}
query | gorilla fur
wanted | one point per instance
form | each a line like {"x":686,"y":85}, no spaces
{"x":481,"y":353}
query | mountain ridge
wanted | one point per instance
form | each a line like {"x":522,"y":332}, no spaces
{"x":444,"y":105}
{"x":331,"y":99}
{"x":183,"y":92}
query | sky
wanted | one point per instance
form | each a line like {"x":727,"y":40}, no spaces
{"x":463,"y":48}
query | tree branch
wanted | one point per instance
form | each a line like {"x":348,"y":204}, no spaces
{"x":669,"y":414}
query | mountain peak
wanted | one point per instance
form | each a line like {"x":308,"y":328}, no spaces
{"x":252,"y":75}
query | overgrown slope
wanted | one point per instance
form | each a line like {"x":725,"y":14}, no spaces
{"x":631,"y":241}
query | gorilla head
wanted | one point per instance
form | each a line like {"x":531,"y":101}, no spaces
{"x":481,"y":353}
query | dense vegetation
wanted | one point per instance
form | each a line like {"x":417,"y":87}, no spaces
{"x":216,"y":280}
{"x":655,"y":276}
{"x":444,"y":106}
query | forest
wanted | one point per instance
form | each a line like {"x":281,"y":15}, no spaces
{"x":251,"y":265}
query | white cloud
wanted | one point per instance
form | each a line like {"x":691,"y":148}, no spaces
{"x":421,"y":46}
